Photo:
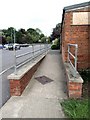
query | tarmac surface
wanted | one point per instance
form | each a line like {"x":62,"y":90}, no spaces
{"x":40,"y":100}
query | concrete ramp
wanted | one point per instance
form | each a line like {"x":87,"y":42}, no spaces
{"x":38,"y":100}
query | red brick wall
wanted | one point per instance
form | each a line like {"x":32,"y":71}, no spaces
{"x":74,"y":89}
{"x":18,"y":86}
{"x":79,"y":35}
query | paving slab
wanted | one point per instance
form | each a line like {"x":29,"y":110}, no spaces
{"x":38,"y":100}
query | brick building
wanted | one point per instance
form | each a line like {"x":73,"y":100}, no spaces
{"x":75,"y":29}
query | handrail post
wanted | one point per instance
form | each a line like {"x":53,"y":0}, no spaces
{"x":33,"y":50}
{"x":40,"y":47}
{"x":68,"y":52}
{"x":75,"y":58}
{"x":46,"y":46}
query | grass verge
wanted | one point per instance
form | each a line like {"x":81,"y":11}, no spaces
{"x":79,"y":108}
{"x":76,"y":108}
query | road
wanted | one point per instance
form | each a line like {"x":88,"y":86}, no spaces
{"x":6,"y":61}
{"x":8,"y":56}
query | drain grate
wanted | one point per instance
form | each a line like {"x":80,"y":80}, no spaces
{"x":43,"y":79}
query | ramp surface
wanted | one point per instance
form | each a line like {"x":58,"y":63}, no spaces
{"x":38,"y":100}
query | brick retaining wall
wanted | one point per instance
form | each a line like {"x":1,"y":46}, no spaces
{"x":74,"y":85}
{"x":17,"y":86}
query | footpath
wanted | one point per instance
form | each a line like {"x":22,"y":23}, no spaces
{"x":40,"y":100}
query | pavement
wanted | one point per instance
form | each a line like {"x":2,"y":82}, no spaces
{"x":38,"y":100}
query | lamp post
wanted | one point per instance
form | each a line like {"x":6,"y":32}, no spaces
{"x":14,"y":52}
{"x":11,"y":35}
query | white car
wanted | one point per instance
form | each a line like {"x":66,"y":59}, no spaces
{"x":6,"y":46}
{"x":12,"y":46}
{"x":16,"y":46}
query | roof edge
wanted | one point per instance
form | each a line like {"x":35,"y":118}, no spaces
{"x":77,"y":6}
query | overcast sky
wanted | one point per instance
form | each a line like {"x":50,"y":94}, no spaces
{"x":43,"y":14}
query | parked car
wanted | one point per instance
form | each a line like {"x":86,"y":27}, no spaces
{"x":1,"y":46}
{"x":16,"y":46}
{"x":13,"y":46}
{"x":10,"y":46}
{"x":6,"y":46}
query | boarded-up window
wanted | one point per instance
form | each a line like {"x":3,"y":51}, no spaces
{"x":81,"y":18}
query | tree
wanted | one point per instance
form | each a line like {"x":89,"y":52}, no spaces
{"x":56,"y":34}
{"x":29,"y":38}
{"x":3,"y":40}
{"x":19,"y":37}
{"x":38,"y":31}
{"x":8,"y":39}
{"x":22,"y":36}
{"x":41,"y":36}
{"x":35,"y":35}
{"x":56,"y":31}
{"x":43,"y":39}
{"x":8,"y":35}
{"x":31,"y":31}
{"x":22,"y":31}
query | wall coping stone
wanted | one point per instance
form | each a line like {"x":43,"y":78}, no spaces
{"x":71,"y":78}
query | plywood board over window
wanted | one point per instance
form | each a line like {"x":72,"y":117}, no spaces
{"x":81,"y":18}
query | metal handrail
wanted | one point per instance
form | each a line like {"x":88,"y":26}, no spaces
{"x":23,"y":54}
{"x":26,"y":61}
{"x":30,"y":58}
{"x":18,"y":56}
{"x":6,"y":70}
{"x":74,"y":56}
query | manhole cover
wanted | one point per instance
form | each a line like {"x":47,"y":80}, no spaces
{"x":43,"y":79}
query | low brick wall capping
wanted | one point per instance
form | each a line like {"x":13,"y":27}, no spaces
{"x":74,"y":84}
